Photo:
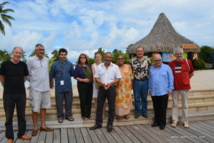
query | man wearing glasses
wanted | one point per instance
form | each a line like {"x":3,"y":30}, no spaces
{"x":39,"y":88}
{"x":160,"y":87}
{"x":182,"y":70}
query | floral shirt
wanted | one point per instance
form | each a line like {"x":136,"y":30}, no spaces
{"x":140,"y":69}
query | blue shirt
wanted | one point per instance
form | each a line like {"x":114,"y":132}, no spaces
{"x":160,"y":80}
{"x":62,"y":71}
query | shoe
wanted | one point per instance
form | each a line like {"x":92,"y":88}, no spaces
{"x":145,"y":115}
{"x":126,"y":117}
{"x":24,"y":137}
{"x":34,"y":132}
{"x":109,"y":128}
{"x":70,"y":119}
{"x":155,"y":125}
{"x":60,"y":120}
{"x":137,"y":115}
{"x":46,"y":129}
{"x":85,"y":118}
{"x":118,"y":118}
{"x":95,"y":127}
{"x":186,"y":125}
{"x":162,"y":127}
{"x":174,"y":124}
{"x":9,"y":141}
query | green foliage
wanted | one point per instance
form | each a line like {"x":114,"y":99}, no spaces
{"x":4,"y":55}
{"x":4,"y":17}
{"x":88,"y":73}
{"x":91,"y":61}
{"x":199,"y":65}
{"x":102,"y":51}
{"x":204,"y":53}
{"x":117,"y":53}
{"x":54,"y":58}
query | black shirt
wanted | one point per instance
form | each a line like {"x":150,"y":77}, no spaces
{"x":14,"y":77}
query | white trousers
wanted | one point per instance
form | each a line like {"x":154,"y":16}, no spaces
{"x":184,"y":100}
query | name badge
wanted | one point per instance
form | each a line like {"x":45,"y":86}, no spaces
{"x":61,"y":82}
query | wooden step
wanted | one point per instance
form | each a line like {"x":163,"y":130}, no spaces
{"x":78,"y":122}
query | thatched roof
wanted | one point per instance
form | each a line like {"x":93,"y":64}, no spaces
{"x":162,"y":38}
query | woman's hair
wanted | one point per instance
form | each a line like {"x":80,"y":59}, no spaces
{"x":86,"y":62}
{"x":97,"y":53}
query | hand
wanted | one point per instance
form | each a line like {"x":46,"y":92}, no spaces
{"x":169,"y":92}
{"x":108,"y":86}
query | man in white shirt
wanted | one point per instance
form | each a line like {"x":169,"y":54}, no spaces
{"x":39,"y":87}
{"x":107,"y":75}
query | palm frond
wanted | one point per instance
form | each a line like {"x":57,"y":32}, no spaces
{"x":2,"y":28}
{"x":7,"y":10}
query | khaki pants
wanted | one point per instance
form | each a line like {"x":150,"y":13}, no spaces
{"x":184,"y":100}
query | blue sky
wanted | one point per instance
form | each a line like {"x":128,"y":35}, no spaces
{"x":83,"y":26}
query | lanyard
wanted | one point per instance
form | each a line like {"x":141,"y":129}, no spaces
{"x":62,"y":65}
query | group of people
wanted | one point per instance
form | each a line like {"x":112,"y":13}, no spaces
{"x":101,"y":81}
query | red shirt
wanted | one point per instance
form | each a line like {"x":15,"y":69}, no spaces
{"x":181,"y":71}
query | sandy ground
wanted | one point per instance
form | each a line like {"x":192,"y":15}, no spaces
{"x":202,"y":80}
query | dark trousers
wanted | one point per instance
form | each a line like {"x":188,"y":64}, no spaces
{"x":85,"y":94}
{"x":160,"y":106}
{"x":10,"y":101}
{"x":102,"y":95}
{"x":60,"y":98}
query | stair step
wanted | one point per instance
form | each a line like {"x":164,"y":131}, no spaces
{"x":78,"y":122}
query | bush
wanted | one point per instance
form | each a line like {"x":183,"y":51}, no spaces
{"x":199,"y":64}
{"x":205,"y":53}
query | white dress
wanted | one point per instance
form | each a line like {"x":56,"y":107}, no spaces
{"x":95,"y":90}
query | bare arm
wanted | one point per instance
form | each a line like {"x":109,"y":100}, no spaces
{"x":82,"y":80}
{"x":2,"y":80}
{"x":51,"y":82}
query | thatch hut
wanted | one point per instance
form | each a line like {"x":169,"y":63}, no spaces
{"x":163,"y":38}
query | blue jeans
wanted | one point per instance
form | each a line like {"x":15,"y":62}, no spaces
{"x":140,"y":95}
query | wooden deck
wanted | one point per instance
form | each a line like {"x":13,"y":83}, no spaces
{"x":199,"y":131}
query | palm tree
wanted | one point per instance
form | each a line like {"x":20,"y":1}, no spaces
{"x":4,"y":17}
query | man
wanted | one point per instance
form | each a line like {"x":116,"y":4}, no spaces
{"x":39,"y":87}
{"x":62,"y":70}
{"x":107,"y":75}
{"x":140,"y":67}
{"x":13,"y":74}
{"x":160,"y":86}
{"x":182,"y":70}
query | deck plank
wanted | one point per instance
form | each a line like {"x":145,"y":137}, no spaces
{"x":101,"y":136}
{"x":130,"y":135}
{"x":86,"y":136}
{"x":136,"y":134}
{"x":42,"y":137}
{"x":123,"y":135}
{"x":93,"y":136}
{"x":49,"y":137}
{"x":108,"y":136}
{"x":156,"y":133}
{"x":78,"y":135}
{"x":2,"y":135}
{"x":206,"y":126}
{"x":144,"y":134}
{"x":176,"y":136}
{"x":56,"y":136}
{"x":64,"y":135}
{"x":34,"y":139}
{"x":71,"y":136}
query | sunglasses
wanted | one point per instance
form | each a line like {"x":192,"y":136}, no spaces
{"x":120,"y":59}
{"x":82,"y":57}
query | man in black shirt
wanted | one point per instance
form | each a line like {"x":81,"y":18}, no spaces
{"x":13,"y":74}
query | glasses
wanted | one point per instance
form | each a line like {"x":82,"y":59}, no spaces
{"x":82,"y":57}
{"x":41,"y":49}
{"x":157,"y":60}
{"x":178,"y":53}
{"x":120,"y":59}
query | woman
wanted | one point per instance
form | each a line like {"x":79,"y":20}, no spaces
{"x":123,"y":102}
{"x":83,"y":75}
{"x":98,"y":60}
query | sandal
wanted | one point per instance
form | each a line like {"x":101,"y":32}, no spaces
{"x":60,"y":120}
{"x":126,"y":117}
{"x":186,"y":125}
{"x":118,"y":118}
{"x":70,"y":119}
{"x":85,"y":118}
{"x":46,"y":129}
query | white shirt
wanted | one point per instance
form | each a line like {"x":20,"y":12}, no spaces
{"x":38,"y":74}
{"x":107,"y":75}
